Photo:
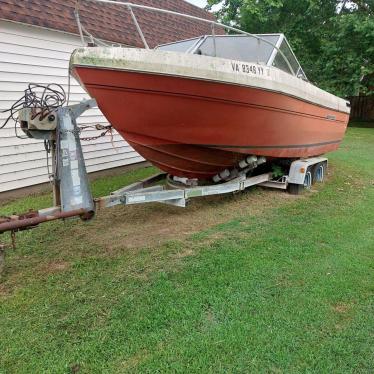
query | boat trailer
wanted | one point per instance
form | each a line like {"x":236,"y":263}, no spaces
{"x":71,"y":190}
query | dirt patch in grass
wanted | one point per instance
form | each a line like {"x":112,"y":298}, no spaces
{"x":28,"y":267}
{"x":75,"y":368}
{"x":4,"y":291}
{"x":134,"y":361}
{"x":154,"y":224}
{"x":343,"y":314}
{"x":54,"y":267}
{"x":185,"y":253}
{"x":341,"y":308}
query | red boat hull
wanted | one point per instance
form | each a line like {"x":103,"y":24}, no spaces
{"x":195,"y":128}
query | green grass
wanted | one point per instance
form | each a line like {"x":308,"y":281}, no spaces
{"x":363,"y":124}
{"x":289,"y":289}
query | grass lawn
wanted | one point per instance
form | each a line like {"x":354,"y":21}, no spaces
{"x":258,"y":282}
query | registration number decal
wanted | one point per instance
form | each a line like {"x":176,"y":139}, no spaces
{"x":247,"y":68}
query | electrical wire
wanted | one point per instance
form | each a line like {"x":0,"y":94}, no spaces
{"x":42,"y":99}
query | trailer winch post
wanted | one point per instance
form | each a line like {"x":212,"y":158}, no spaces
{"x":71,"y":170}
{"x":55,"y":182}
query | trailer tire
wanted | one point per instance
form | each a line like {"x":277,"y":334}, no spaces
{"x":295,"y":189}
{"x":308,"y":180}
{"x":319,"y":171}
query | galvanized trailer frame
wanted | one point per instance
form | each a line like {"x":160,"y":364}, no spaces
{"x":145,"y":192}
{"x":140,"y":193}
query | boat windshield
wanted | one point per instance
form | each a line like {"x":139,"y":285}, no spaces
{"x":243,"y":48}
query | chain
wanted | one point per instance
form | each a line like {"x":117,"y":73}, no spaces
{"x":105,"y":130}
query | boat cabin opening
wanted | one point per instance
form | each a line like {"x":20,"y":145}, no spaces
{"x":263,"y":49}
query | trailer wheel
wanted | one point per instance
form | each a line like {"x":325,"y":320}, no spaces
{"x":319,"y":171}
{"x":295,"y":189}
{"x":308,"y":180}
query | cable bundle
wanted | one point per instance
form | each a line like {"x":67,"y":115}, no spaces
{"x":45,"y":102}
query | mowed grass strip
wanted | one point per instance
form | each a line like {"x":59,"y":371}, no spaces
{"x":288,"y":289}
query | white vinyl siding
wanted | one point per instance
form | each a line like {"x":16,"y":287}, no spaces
{"x":31,"y":54}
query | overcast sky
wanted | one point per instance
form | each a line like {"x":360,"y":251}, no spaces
{"x":200,"y":3}
{"x":203,"y":3}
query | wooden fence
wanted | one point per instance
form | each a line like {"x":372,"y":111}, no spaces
{"x":362,"y":108}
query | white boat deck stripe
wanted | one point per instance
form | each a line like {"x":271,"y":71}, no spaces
{"x":207,"y":68}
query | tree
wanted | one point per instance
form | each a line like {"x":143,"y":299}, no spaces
{"x":332,"y":39}
{"x":346,"y":63}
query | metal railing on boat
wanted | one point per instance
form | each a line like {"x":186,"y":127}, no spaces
{"x":130,"y":7}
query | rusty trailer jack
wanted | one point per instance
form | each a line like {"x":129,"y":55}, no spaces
{"x":4,"y":247}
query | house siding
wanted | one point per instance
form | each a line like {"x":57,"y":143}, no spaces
{"x":30,"y":54}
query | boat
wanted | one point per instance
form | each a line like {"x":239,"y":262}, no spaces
{"x":197,"y":107}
